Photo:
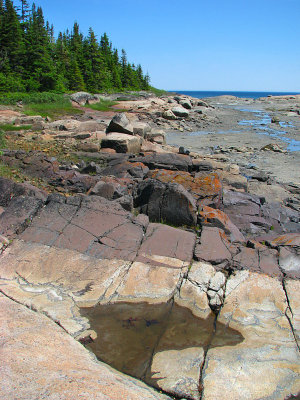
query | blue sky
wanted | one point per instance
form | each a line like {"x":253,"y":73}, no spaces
{"x":196,"y":44}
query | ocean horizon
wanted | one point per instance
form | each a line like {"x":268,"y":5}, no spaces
{"x":200,"y":94}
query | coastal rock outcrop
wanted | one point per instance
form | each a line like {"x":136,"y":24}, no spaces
{"x":180,"y":272}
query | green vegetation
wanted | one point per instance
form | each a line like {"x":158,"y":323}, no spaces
{"x":43,"y":103}
{"x":2,"y":140}
{"x":33,"y":60}
{"x":32,"y":98}
{"x":104,"y":105}
{"x":157,"y":92}
{"x":11,"y":127}
{"x":52,"y":110}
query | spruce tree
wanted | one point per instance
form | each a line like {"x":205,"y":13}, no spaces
{"x":30,"y":55}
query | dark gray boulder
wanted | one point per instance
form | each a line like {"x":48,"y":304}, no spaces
{"x":166,"y":202}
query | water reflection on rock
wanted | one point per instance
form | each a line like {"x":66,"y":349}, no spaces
{"x":131,"y":334}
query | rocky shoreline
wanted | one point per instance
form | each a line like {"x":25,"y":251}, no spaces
{"x":172,"y":255}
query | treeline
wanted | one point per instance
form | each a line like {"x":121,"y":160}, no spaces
{"x":32,"y":59}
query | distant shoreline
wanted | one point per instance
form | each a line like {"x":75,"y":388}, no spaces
{"x":200,"y":94}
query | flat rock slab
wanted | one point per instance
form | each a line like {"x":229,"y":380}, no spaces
{"x":169,"y":161}
{"x":213,"y":246}
{"x":90,"y":225}
{"x":265,"y":364}
{"x":165,"y":245}
{"x":18,"y":215}
{"x":39,"y":359}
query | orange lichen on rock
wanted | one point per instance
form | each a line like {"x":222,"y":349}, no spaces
{"x":213,"y":217}
{"x":289,"y":239}
{"x":200,"y":186}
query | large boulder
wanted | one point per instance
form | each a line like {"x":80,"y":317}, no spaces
{"x":186,"y":104}
{"x":180,"y":112}
{"x":166,"y":202}
{"x":141,"y":128}
{"x":83,"y":98}
{"x":156,"y":137}
{"x":168,"y":114}
{"x":204,"y":188}
{"x":122,"y":143}
{"x":120,"y":123}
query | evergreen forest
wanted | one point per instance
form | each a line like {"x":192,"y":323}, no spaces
{"x":32,"y":59}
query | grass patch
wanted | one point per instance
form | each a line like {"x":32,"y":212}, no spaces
{"x":52,"y":110}
{"x":158,"y":92}
{"x":11,"y":127}
{"x":18,"y":176}
{"x":45,"y":104}
{"x":31,"y":98}
{"x":2,"y":140}
{"x":103,"y":105}
{"x":8,"y":172}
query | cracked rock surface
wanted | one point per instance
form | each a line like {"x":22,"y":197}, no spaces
{"x":205,"y":308}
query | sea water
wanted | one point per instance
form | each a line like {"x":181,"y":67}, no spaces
{"x":249,"y":95}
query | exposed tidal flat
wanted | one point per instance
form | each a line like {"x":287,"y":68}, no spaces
{"x":240,"y":127}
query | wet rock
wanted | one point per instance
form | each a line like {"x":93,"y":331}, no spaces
{"x":122,"y":143}
{"x":121,"y":124}
{"x":170,"y":202}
